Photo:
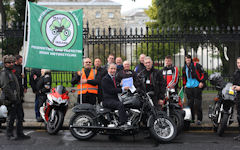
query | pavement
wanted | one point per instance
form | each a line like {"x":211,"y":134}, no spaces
{"x":31,"y":123}
{"x":41,"y":140}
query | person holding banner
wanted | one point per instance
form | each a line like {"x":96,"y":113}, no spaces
{"x":43,"y":87}
{"x":87,"y":80}
{"x":11,"y":91}
{"x":34,"y":77}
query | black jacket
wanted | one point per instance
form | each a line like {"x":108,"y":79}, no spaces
{"x":197,"y":72}
{"x":157,"y":82}
{"x":139,"y":68}
{"x":127,"y":74}
{"x":18,"y":73}
{"x":10,"y":86}
{"x":44,"y":84}
{"x":236,"y":80}
{"x":33,"y":82}
{"x":110,"y":92}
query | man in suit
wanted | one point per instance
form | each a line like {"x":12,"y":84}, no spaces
{"x":110,"y":94}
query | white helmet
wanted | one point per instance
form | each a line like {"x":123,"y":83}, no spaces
{"x":3,"y":111}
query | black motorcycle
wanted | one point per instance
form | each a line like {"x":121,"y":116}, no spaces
{"x":174,"y":108}
{"x":89,"y":120}
{"x":221,"y":113}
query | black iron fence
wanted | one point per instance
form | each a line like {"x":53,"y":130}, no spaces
{"x":216,"y":48}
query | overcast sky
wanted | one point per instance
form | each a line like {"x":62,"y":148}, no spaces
{"x":129,"y":4}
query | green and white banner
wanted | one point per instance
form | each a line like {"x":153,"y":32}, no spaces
{"x":55,"y":39}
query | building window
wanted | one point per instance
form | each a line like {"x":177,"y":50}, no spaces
{"x":110,"y":15}
{"x":98,"y":14}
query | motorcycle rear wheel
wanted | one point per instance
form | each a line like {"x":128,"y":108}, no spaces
{"x":178,"y":119}
{"x":55,"y":124}
{"x":163,"y":129}
{"x":82,"y":119}
{"x":223,"y":124}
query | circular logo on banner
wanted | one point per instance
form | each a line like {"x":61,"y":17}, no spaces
{"x":59,"y":30}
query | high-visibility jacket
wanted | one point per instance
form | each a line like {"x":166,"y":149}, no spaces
{"x":88,"y":87}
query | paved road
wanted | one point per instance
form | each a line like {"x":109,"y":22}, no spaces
{"x":195,"y":140}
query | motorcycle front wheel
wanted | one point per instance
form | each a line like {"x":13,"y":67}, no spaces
{"x":82,"y":119}
{"x":223,"y":124}
{"x":55,"y":122}
{"x":162,"y":128}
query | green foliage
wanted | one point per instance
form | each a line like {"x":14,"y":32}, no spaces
{"x":14,"y":15}
{"x":185,"y":13}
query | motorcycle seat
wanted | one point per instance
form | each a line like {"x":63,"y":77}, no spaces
{"x":104,"y":110}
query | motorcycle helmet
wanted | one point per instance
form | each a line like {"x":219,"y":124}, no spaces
{"x":217,"y":80}
{"x":3,"y":111}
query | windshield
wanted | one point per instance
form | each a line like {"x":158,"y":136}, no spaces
{"x":60,"y":89}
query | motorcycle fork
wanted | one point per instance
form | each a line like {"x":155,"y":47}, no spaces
{"x":168,"y":109}
{"x":53,"y":112}
{"x":220,"y":113}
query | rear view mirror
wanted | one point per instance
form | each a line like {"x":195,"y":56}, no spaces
{"x":73,"y":91}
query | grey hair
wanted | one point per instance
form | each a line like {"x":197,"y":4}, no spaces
{"x":126,"y":62}
{"x":148,"y":58}
{"x":111,"y":64}
{"x":142,"y":55}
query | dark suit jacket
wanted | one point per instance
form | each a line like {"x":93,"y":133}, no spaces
{"x":109,"y":90}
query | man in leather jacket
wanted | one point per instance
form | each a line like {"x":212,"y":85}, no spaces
{"x":140,"y":67}
{"x":236,"y":86}
{"x":20,"y":76}
{"x":11,"y":91}
{"x":153,"y":81}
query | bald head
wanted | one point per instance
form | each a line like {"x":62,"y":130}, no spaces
{"x":119,"y":61}
{"x":126,"y":65}
{"x":141,"y":58}
{"x":87,"y":63}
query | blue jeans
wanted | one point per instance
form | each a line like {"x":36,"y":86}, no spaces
{"x":37,"y":113}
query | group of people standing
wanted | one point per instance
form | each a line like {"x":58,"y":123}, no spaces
{"x":103,"y":83}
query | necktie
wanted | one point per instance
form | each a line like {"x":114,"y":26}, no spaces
{"x":114,"y":81}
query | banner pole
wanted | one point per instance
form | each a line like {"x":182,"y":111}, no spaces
{"x":81,"y":91}
{"x":24,"y":37}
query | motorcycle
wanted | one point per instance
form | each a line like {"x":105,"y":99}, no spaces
{"x":55,"y":108}
{"x":221,"y":113}
{"x":174,"y":108}
{"x":89,"y":120}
